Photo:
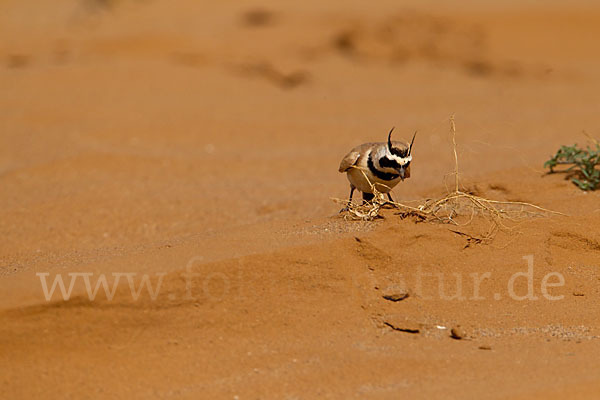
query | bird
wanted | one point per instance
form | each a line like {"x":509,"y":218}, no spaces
{"x":379,"y":166}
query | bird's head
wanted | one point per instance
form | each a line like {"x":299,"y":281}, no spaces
{"x":397,"y":157}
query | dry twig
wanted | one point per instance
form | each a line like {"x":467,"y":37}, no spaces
{"x":457,"y":207}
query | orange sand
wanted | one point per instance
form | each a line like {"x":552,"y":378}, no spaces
{"x":144,"y":136}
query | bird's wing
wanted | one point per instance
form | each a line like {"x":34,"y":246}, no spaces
{"x":349,"y":160}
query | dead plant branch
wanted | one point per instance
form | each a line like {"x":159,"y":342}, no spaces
{"x":457,"y":207}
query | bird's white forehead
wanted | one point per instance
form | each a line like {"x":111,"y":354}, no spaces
{"x":400,"y":160}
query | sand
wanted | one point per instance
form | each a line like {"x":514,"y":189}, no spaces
{"x":197,"y":144}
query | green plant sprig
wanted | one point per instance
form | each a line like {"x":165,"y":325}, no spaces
{"x":582,"y":163}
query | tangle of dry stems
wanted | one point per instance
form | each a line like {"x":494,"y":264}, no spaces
{"x":456,"y":207}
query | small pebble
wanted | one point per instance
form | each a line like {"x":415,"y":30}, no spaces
{"x":395,"y":296}
{"x":457,"y":333}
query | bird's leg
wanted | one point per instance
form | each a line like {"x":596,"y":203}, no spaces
{"x":349,"y":200}
{"x":368,"y":197}
{"x":391,"y":202}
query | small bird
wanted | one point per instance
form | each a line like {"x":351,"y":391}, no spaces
{"x":377,"y":165}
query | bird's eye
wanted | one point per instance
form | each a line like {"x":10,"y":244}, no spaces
{"x":406,"y":165}
{"x":399,"y":152}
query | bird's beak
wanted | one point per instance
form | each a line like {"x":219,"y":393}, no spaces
{"x":402,"y":173}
